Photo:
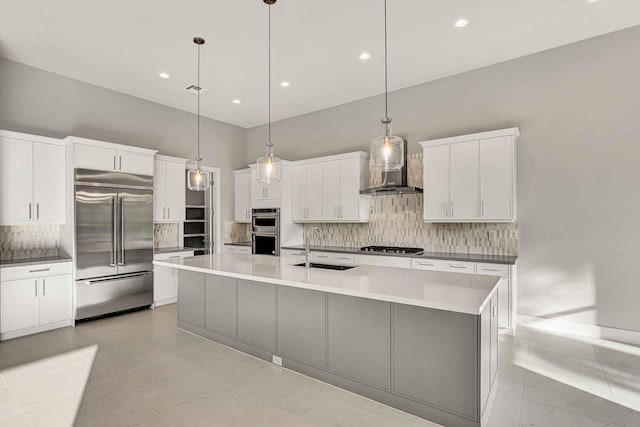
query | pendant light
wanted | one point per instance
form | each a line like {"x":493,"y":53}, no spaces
{"x":269,"y":167}
{"x":197,"y":179}
{"x":387,"y":151}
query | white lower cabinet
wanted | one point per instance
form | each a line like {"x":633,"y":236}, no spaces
{"x":165,"y":279}
{"x":235,"y":249}
{"x":35,"y":304}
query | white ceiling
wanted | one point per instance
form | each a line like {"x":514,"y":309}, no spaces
{"x":123,"y":45}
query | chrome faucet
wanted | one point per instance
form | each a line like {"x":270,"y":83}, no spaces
{"x":307,"y":244}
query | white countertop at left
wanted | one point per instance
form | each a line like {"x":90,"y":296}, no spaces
{"x":456,"y":292}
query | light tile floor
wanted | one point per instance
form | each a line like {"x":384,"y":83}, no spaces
{"x":140,"y":370}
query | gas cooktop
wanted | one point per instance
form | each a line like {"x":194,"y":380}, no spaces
{"x":392,"y":250}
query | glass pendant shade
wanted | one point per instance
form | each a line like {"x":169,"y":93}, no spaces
{"x":387,"y":151}
{"x":197,"y":179}
{"x":268,"y":168}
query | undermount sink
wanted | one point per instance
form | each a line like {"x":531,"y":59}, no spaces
{"x":326,"y":266}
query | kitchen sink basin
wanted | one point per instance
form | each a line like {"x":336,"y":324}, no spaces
{"x":327,"y":266}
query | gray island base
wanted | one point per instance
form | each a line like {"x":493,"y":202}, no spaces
{"x":437,"y":364}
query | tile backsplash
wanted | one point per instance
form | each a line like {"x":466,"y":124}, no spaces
{"x":237,"y":232}
{"x":166,"y":235}
{"x":29,"y":241}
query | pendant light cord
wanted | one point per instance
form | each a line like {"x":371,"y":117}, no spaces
{"x":270,"y":144}
{"x":386,"y":78}
{"x":198,"y":96}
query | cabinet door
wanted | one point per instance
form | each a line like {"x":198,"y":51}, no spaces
{"x":330,"y":189}
{"x":314,"y":191}
{"x":90,"y":157}
{"x":191,"y":303}
{"x":138,"y":163}
{"x":273,"y":191}
{"x":257,"y":314}
{"x":350,"y":189}
{"x":159,"y":191}
{"x":465,"y":203}
{"x":242,"y":197}
{"x":299,"y":192}
{"x":221,"y":305}
{"x":175,"y":190}
{"x":436,"y":182}
{"x":496,"y":178}
{"x":16,"y":181}
{"x":164,"y":283}
{"x":257,"y":188}
{"x":358,"y":327}
{"x":19,"y":304}
{"x":55,"y":298}
{"x":49,"y":182}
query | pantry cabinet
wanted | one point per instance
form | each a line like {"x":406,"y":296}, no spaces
{"x":107,"y":156}
{"x":327,"y":189}
{"x":242,"y":195}
{"x":169,"y":189}
{"x":32,"y":179}
{"x":471,"y":178}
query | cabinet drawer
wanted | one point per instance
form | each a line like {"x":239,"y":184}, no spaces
{"x":500,"y":270}
{"x":173,"y":255}
{"x":444,"y":265}
{"x":384,"y":261}
{"x":333,"y":257}
{"x":426,"y":264}
{"x":34,"y":271}
{"x":232,"y":249}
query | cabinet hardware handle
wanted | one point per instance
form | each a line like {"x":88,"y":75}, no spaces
{"x":169,"y":212}
{"x":37,"y":210}
{"x":345,"y":258}
{"x":114,"y":162}
{"x":425,"y":263}
{"x":39,"y":270}
{"x":120,"y":167}
{"x":172,"y":257}
{"x":35,"y":283}
{"x":490,"y":269}
{"x":29,"y":210}
{"x":322,"y":256}
{"x":44,"y":287}
{"x":457,"y":266}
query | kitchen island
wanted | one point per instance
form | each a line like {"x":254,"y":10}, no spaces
{"x":422,"y":341}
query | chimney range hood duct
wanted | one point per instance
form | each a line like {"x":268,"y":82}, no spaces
{"x":393,"y":182}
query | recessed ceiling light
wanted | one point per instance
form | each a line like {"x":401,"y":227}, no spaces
{"x":164,"y":75}
{"x":236,"y":101}
{"x":284,"y":84}
{"x":590,"y":1}
{"x":365,"y":55}
{"x":462,"y":22}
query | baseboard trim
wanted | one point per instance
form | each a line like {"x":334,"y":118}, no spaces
{"x":35,"y":330}
{"x":165,"y":301}
{"x":581,"y":329}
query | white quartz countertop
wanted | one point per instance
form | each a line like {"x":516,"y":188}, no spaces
{"x":457,"y":292}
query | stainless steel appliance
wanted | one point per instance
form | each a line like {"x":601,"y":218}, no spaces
{"x":114,"y":242}
{"x":265,"y":231}
{"x":392,"y":250}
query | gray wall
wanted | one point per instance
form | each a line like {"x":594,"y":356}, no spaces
{"x":578,"y":110}
{"x":39,"y":102}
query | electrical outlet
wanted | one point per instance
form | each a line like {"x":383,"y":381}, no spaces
{"x":277,"y":360}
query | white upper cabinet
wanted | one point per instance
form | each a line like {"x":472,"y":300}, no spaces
{"x":471,"y":178}
{"x":32,"y":179}
{"x":497,"y":178}
{"x":106,"y":156}
{"x":327,"y":189}
{"x":169,"y":189}
{"x":242,"y":195}
{"x":260,"y":191}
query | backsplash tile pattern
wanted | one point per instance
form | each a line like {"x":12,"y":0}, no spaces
{"x":29,"y":241}
{"x":166,"y":235}
{"x":237,"y":232}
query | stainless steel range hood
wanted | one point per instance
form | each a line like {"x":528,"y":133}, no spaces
{"x":393,"y":182}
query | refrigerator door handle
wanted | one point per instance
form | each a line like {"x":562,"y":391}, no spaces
{"x":114,"y":234}
{"x":122,"y":251}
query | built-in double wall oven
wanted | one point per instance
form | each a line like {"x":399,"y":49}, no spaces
{"x":265,"y":231}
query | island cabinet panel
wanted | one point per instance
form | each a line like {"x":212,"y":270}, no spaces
{"x":435,"y":358}
{"x":191,"y":293}
{"x":301,"y":325}
{"x":485,"y":356}
{"x":494,"y":337}
{"x":359,"y":339}
{"x":221,"y":305}
{"x":257,"y":314}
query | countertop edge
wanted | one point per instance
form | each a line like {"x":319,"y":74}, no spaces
{"x":38,"y":261}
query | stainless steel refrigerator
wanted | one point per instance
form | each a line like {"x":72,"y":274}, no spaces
{"x":114,"y":242}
